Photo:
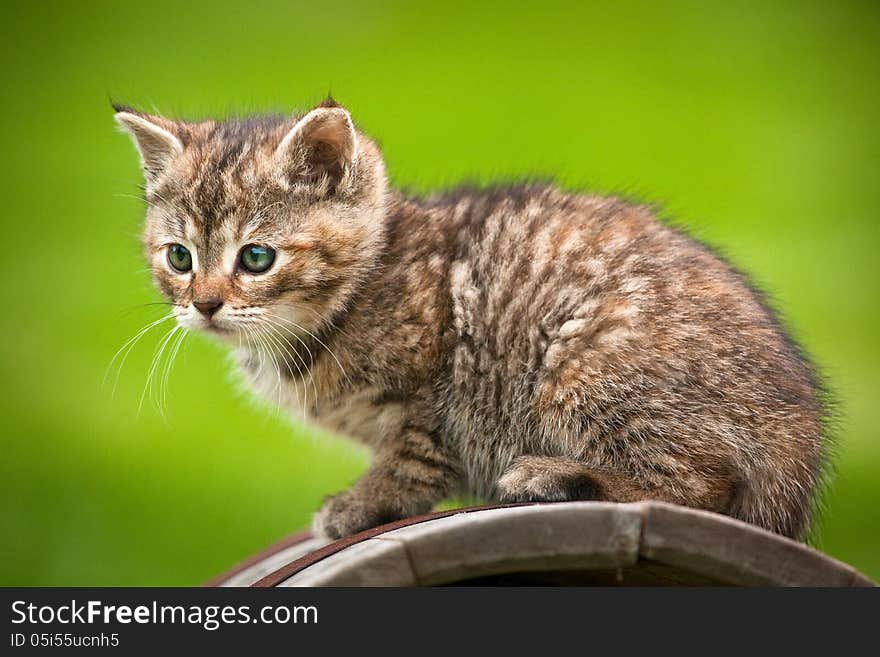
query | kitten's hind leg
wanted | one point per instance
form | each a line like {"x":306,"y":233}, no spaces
{"x":557,"y":479}
{"x":547,"y":479}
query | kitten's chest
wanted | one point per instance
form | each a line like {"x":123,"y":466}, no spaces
{"x":364,"y":414}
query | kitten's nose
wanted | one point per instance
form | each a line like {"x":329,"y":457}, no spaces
{"x":208,"y":306}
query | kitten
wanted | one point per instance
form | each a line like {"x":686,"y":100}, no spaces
{"x":514,"y":344}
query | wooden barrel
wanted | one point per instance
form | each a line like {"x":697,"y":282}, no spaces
{"x":569,"y":543}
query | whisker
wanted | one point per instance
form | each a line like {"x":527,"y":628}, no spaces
{"x":157,"y":389}
{"x":276,"y":341}
{"x":263,"y":352}
{"x":158,"y":196}
{"x":270,"y":338}
{"x":308,"y":367}
{"x":128,"y":311}
{"x":157,"y":356}
{"x":127,"y":347}
{"x":163,"y":388}
{"x":315,"y":338}
{"x":252,"y":344}
{"x":292,"y":354}
{"x":131,"y":196}
{"x":271,"y":354}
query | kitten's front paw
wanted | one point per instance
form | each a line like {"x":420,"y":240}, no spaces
{"x":349,"y":513}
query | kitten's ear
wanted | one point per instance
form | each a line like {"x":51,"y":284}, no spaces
{"x":154,"y":137}
{"x":323,"y":142}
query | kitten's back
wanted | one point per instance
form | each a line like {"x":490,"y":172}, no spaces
{"x":586,"y":326}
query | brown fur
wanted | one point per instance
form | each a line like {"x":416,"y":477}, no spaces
{"x":513,"y":343}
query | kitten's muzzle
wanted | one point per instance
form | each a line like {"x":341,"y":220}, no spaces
{"x":208,"y":306}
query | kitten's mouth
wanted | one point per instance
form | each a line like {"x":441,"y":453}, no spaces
{"x":210,"y":325}
{"x":213,"y":327}
{"x":217,"y":326}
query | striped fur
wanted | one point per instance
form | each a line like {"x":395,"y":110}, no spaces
{"x":513,"y":343}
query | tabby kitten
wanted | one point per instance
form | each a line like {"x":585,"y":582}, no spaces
{"x":514,"y":344}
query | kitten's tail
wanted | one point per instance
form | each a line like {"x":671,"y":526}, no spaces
{"x":780,"y":497}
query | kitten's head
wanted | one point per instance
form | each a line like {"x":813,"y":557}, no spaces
{"x":268,"y":219}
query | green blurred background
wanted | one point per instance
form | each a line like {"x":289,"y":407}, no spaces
{"x":755,"y":125}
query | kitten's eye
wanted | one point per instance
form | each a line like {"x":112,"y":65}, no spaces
{"x":179,"y":257}
{"x":257,"y":259}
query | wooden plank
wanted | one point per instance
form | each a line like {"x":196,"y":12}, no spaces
{"x":575,"y":536}
{"x":253,"y":572}
{"x":373,"y":562}
{"x":580,"y":543}
{"x":731,"y":551}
